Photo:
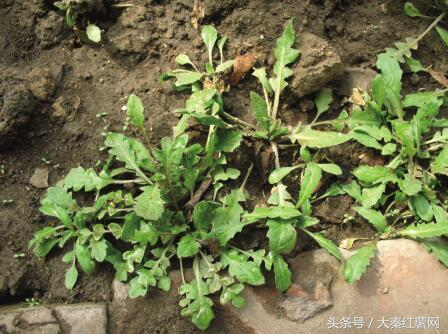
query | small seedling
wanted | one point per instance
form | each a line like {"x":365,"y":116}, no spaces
{"x":7,"y":201}
{"x":17,"y":255}
{"x":75,"y":11}
{"x":31,"y":302}
{"x":46,"y":161}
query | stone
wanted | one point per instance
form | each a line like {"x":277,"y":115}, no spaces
{"x":301,"y":305}
{"x":404,"y":280}
{"x":40,"y":178}
{"x":354,"y":78}
{"x":41,"y":83}
{"x":319,"y":63}
{"x":54,"y":319}
{"x":83,"y":318}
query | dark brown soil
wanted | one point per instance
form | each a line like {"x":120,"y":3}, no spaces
{"x":52,"y":88}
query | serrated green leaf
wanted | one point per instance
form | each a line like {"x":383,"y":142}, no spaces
{"x":284,"y":54}
{"x":79,"y":178}
{"x":421,"y":98}
{"x":326,"y":244}
{"x":415,"y":65}
{"x":319,"y":139}
{"x":187,"y":246}
{"x":438,"y":247}
{"x":71,"y":276}
{"x":310,"y":180}
{"x":425,"y":230}
{"x":93,"y":33}
{"x":283,"y":212}
{"x":440,"y":163}
{"x":374,"y":217}
{"x":242,"y":269}
{"x":357,"y":264}
{"x":131,"y":152}
{"x":150,"y":204}
{"x":260,"y":73}
{"x":135,"y":111}
{"x":203,"y":214}
{"x":390,"y":72}
{"x":136,"y":289}
{"x":226,"y":220}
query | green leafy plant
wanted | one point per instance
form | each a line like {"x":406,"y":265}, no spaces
{"x":75,"y":13}
{"x":180,"y":202}
{"x":406,"y":196}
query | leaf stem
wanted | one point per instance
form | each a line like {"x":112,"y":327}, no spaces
{"x":238,"y":121}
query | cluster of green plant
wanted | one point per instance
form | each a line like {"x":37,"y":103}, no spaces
{"x":75,"y":11}
{"x":172,"y":204}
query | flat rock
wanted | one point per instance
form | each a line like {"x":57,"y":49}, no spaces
{"x":403,"y":283}
{"x":54,"y":319}
{"x":40,"y":178}
{"x":319,"y":63}
{"x":83,"y":318}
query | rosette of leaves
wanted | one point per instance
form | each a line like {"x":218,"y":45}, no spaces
{"x":211,"y":77}
{"x":405,"y":197}
{"x":76,"y":12}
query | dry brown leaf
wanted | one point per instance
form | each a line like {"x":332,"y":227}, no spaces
{"x":243,"y":63}
{"x":439,"y":77}
{"x":197,"y":14}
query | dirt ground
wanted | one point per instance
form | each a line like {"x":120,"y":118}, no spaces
{"x":52,"y":88}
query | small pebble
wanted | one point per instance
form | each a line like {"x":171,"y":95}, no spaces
{"x":87,"y":76}
{"x":415,"y":79}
